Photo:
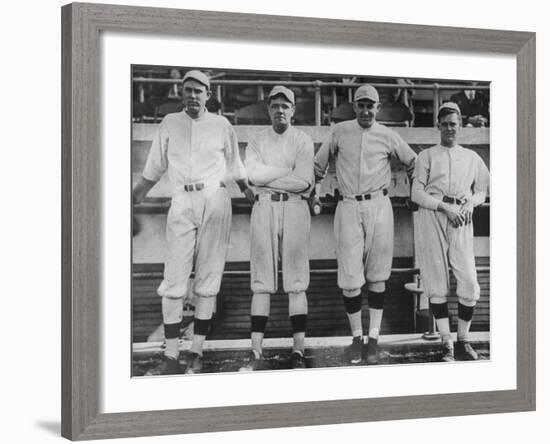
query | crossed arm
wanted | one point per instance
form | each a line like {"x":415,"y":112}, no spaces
{"x":294,"y":180}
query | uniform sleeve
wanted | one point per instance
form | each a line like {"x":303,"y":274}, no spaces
{"x":327,"y":150}
{"x":421,"y":177}
{"x":258,"y":172}
{"x":405,"y":154}
{"x":301,"y":177}
{"x":157,"y":159}
{"x":233,"y":160}
{"x":481,"y":182}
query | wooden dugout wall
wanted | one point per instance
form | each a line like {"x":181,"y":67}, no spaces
{"x":326,"y":311}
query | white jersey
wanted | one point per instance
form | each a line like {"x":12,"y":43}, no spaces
{"x":280,"y":162}
{"x":194,"y":150}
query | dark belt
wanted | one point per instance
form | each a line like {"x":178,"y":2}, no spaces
{"x":452,"y":200}
{"x":198,"y":186}
{"x":368,"y":196}
{"x":277,"y":197}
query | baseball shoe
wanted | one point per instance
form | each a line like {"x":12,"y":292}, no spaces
{"x":355,"y":350}
{"x":448,"y":352}
{"x":465,"y":352}
{"x":372,"y":351}
{"x":255,"y":363}
{"x":167,"y":366}
{"x":298,"y":360}
{"x":194,"y":364}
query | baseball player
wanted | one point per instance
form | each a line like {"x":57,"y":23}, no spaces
{"x":199,"y":151}
{"x":279,"y":164}
{"x":449,"y":181}
{"x":363,"y":223}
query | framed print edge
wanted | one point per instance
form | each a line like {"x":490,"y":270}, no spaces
{"x":526,"y":220}
{"x":81,"y":243}
{"x":80,"y":202}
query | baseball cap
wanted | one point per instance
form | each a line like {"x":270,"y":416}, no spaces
{"x":197,"y":75}
{"x":279,"y":89}
{"x":366,"y":92}
{"x":450,"y":106}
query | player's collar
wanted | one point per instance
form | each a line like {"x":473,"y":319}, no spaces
{"x":284,"y":133}
{"x":373,"y":126}
{"x":454,"y":148}
{"x":201,"y":116}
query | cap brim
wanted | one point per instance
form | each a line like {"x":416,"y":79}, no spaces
{"x":185,"y":79}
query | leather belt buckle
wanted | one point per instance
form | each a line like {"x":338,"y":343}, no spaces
{"x":452,"y":200}
{"x":361,"y":197}
{"x":199,"y":186}
{"x":279,"y":197}
{"x":193,"y":187}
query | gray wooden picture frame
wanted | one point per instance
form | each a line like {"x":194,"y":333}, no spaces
{"x":81,"y":252}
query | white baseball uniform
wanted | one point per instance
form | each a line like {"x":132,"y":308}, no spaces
{"x":277,"y":165}
{"x":459,"y":173}
{"x":203,"y":152}
{"x":363,"y":228}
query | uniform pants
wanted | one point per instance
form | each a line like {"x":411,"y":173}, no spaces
{"x":440,"y":246}
{"x":364,"y":241}
{"x":279,"y":230}
{"x":197,"y":232}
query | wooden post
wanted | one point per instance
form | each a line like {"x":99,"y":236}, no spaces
{"x":318,"y":103}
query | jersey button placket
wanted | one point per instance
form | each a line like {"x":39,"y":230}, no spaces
{"x":188,"y":147}
{"x":364,"y":136}
{"x":450,"y":228}
{"x":195,"y":211}
{"x":281,"y":218}
{"x":450,"y":186}
{"x":192,"y":147}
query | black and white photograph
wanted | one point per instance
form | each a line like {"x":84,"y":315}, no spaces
{"x":300,"y":221}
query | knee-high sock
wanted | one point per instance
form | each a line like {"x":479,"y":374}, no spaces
{"x":356,"y":323}
{"x":465,"y":313}
{"x":172,"y":315}
{"x":375,"y":320}
{"x":203,"y":311}
{"x":260,"y":306}
{"x":376,"y":296}
{"x":440,"y":311}
{"x":444,"y":329}
{"x":297,"y":309}
{"x":354,"y":317}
